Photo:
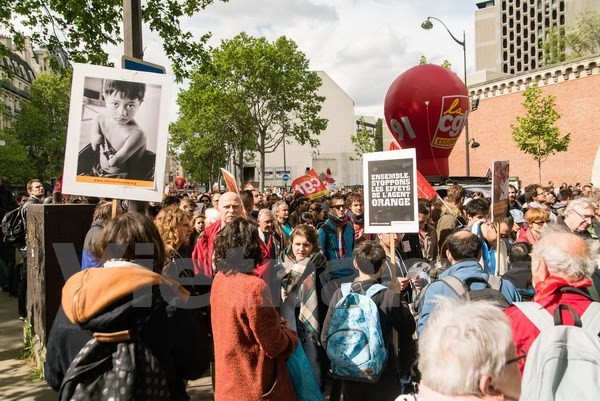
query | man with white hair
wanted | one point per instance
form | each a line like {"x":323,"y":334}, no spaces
{"x":229,"y":207}
{"x":273,"y":241}
{"x":578,"y":217}
{"x":562,"y":266}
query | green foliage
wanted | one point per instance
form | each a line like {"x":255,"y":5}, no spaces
{"x":379,"y":135}
{"x":13,"y":159}
{"x":365,"y":140}
{"x":537,"y":134}
{"x":82,"y":29}
{"x":581,"y":40}
{"x":446,"y":64}
{"x":249,"y":96}
{"x":40,"y":129}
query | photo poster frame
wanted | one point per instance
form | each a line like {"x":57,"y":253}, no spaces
{"x":500,"y":176}
{"x":139,"y":173}
{"x":390,"y":191}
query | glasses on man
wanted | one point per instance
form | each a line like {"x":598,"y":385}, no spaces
{"x":585,"y":217}
{"x":515,"y":360}
{"x":338,"y":207}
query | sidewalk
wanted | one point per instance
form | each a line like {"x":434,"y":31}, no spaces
{"x":15,"y":373}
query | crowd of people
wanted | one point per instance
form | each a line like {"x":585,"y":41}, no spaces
{"x":241,"y":284}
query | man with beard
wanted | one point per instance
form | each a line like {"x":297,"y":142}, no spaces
{"x":356,"y":209}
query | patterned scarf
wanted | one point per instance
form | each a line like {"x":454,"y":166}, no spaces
{"x":301,"y":277}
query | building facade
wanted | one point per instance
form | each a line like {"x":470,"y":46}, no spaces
{"x":575,"y":85}
{"x":335,"y":150}
{"x":509,"y":33}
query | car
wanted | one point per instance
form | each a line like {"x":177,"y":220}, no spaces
{"x":470,"y":184}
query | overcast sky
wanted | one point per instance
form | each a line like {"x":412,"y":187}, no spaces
{"x":363,"y":45}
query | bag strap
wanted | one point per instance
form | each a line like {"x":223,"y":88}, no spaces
{"x":590,"y":319}
{"x":346,"y":289}
{"x":537,"y":314}
{"x":495,"y":282}
{"x":455,"y":285}
{"x":374,"y":289}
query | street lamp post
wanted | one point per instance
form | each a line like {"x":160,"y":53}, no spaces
{"x":427,"y":24}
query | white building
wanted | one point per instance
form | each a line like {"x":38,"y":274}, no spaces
{"x":334,"y":151}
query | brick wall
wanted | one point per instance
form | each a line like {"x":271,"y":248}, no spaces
{"x":578,"y":102}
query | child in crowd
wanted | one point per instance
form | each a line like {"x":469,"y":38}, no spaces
{"x":394,"y":314}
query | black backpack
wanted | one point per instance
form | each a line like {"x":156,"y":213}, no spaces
{"x":491,"y":291}
{"x":116,"y":366}
{"x":13,"y":227}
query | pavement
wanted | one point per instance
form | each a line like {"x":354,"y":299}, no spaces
{"x":16,"y":382}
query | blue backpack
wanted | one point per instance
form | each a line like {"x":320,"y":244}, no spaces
{"x":355,"y":343}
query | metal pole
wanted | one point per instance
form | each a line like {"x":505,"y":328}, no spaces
{"x":467,"y":154}
{"x":132,"y":40}
{"x":284,"y":166}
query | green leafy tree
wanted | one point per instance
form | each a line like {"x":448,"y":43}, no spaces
{"x":367,"y":139}
{"x":446,"y":64}
{"x":80,"y":30}
{"x":537,"y":133}
{"x":254,"y":94}
{"x":578,"y":41}
{"x":41,"y":126}
{"x":14,"y":164}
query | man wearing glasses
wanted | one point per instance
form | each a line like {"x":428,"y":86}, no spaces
{"x":578,"y":217}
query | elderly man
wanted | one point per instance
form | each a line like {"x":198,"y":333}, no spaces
{"x":464,"y":251}
{"x":578,"y":217}
{"x":229,"y":207}
{"x":562,"y":265}
{"x":273,"y":241}
{"x":281,"y":210}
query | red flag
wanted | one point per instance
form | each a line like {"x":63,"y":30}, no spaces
{"x":310,"y":185}
{"x":424,"y":188}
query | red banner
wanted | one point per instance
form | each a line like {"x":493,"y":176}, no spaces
{"x":310,"y":185}
{"x":424,"y":188}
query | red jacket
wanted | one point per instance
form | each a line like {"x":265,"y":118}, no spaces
{"x":203,"y":251}
{"x":549,"y":296}
{"x":251,"y":346}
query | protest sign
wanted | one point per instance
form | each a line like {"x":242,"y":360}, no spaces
{"x":499,"y":190}
{"x":117,"y":136}
{"x":390,"y":191}
{"x":310,"y":185}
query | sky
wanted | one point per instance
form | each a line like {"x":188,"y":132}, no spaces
{"x":363,"y":45}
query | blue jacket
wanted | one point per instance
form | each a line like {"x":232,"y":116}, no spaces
{"x":462,"y":270}
{"x":328,"y":240}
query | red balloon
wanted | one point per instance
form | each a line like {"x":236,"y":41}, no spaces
{"x":179,"y":182}
{"x":426,"y":108}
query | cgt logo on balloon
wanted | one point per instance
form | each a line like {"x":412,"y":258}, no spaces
{"x":452,"y":120}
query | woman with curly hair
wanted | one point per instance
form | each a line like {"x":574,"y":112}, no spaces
{"x":301,"y":293}
{"x":251,"y":342}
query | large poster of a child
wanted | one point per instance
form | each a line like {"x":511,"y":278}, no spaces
{"x":117,"y":136}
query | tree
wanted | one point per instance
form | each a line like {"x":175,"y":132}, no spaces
{"x":574,"y":42}
{"x":41,"y":126}
{"x":80,"y":30}
{"x":446,"y":64}
{"x":367,"y":139}
{"x":13,"y":159}
{"x":252,"y":94}
{"x":537,"y":133}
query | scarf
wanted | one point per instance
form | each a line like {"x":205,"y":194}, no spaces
{"x":552,"y":284}
{"x":359,"y":221}
{"x":337,"y":221}
{"x":301,"y":277}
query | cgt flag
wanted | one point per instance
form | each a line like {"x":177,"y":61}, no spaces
{"x":310,"y":185}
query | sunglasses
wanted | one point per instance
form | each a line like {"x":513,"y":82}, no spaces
{"x":339,"y":207}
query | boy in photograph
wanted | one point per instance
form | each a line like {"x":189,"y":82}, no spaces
{"x":117,"y":143}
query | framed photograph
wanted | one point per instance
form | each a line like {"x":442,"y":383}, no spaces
{"x":391,"y":192}
{"x":117,"y":136}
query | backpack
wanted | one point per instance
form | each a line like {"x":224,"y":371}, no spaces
{"x":116,"y":366}
{"x":491,"y":291}
{"x":13,"y":227}
{"x":563,"y":362}
{"x":355,"y":343}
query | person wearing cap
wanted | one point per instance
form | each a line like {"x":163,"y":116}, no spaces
{"x":518,"y":223}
